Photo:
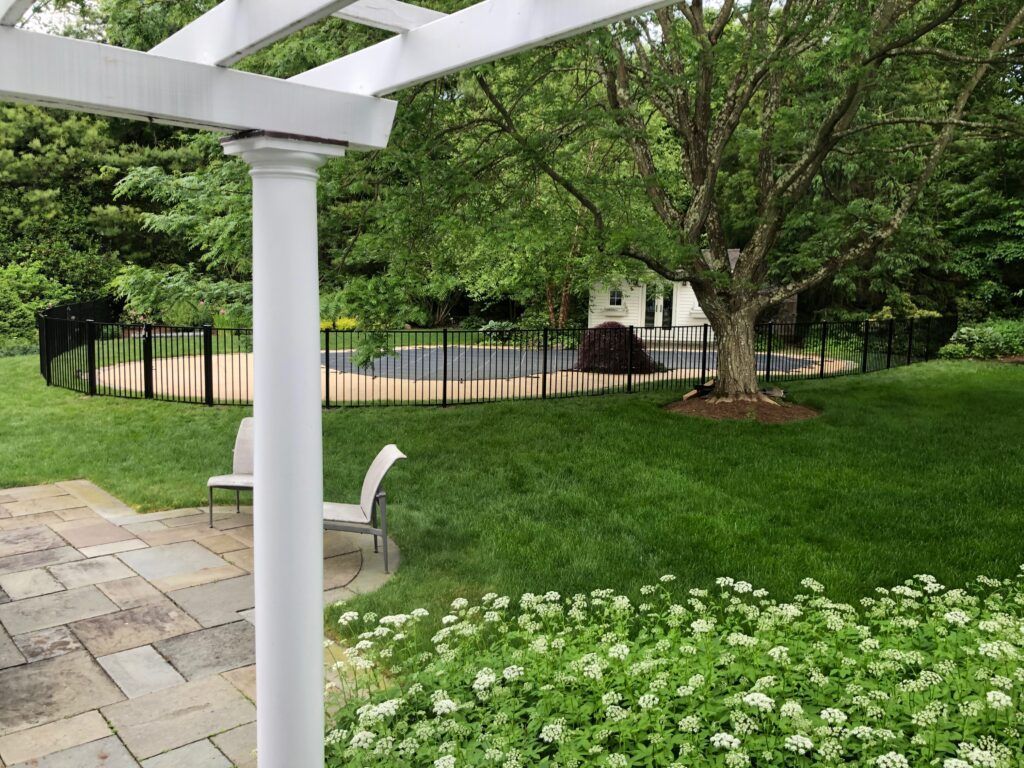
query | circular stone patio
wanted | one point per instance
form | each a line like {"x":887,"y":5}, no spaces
{"x":127,"y":639}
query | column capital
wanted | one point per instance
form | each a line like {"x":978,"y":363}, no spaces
{"x":276,"y":154}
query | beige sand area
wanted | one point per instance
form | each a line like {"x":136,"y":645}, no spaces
{"x":182,"y":378}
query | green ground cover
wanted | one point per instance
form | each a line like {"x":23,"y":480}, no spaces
{"x":907,"y":471}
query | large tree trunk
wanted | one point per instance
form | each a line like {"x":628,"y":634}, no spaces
{"x":736,"y":378}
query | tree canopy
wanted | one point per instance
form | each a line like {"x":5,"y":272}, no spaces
{"x":866,"y":154}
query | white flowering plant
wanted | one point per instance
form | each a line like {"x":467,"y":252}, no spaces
{"x":916,"y":675}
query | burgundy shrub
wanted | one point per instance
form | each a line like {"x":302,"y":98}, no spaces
{"x":605,"y":348}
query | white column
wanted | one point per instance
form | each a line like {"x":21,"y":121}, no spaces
{"x":288,"y":498}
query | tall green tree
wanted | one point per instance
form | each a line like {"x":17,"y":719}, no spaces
{"x":802,"y":132}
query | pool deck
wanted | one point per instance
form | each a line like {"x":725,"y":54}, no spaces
{"x":126,"y":640}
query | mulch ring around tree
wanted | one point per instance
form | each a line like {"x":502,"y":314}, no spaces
{"x":766,"y":412}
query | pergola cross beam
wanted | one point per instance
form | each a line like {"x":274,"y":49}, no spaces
{"x":389,"y":15}
{"x":484,"y":32}
{"x":233,"y":29}
{"x":87,"y":76}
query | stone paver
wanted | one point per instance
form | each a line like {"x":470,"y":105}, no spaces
{"x":91,"y":532}
{"x":34,"y":613}
{"x":239,"y":744}
{"x":139,"y":671}
{"x":57,"y":736}
{"x":31,"y":583}
{"x":195,"y":578}
{"x":22,"y":540}
{"x":75,"y":513}
{"x":209,"y":651}
{"x":132,"y":592}
{"x":220,"y":543}
{"x":33,"y":492}
{"x":114,"y":632}
{"x":42,"y":558}
{"x":93,"y":571}
{"x":101,"y":502}
{"x":242,"y":558}
{"x":9,"y":523}
{"x":10,"y":655}
{"x":47,"y":504}
{"x":47,"y":643}
{"x":34,"y":694}
{"x":158,"y":722}
{"x":145,"y":621}
{"x":113,"y":548}
{"x":217,"y":602}
{"x":105,"y":753}
{"x":244,"y":679}
{"x":199,"y":754}
{"x":162,"y":562}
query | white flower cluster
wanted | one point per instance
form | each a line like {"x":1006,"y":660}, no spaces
{"x":916,"y":675}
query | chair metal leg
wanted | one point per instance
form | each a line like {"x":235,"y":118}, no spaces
{"x":238,"y":501}
{"x":384,"y":529}
{"x":211,"y":507}
{"x":373,"y":520}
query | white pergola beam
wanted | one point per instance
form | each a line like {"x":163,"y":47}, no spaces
{"x":232,"y":30}
{"x":12,"y":11}
{"x":484,"y":32}
{"x":390,"y":15}
{"x":86,"y":76}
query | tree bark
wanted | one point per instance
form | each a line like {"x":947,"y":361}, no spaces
{"x":736,"y":376}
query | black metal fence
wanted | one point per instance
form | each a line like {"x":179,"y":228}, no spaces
{"x":208,"y":365}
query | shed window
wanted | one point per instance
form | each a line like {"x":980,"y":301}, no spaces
{"x":615,"y":299}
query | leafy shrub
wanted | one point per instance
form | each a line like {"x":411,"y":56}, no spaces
{"x":24,"y":291}
{"x":996,"y":338}
{"x":498,"y":331}
{"x":340,"y":324}
{"x":917,"y":675}
{"x":472,"y":322}
{"x":183,"y":297}
{"x":10,"y":347}
{"x":954,"y":351}
{"x":605,"y":348}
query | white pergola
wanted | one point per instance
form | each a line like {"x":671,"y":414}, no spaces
{"x":284,"y":130}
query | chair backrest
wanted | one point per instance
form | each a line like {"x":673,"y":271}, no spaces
{"x":242,"y":463}
{"x":388,"y":455}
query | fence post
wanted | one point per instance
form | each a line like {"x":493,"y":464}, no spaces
{"x":867,"y":342}
{"x":910,"y":341}
{"x":444,"y":370}
{"x":892,"y":336}
{"x":629,"y":360}
{"x":771,"y":342}
{"x":90,"y":353}
{"x":327,"y":368}
{"x":44,"y":346}
{"x":928,"y":340}
{"x":544,"y":369}
{"x":704,"y":357}
{"x":147,"y":361}
{"x":824,"y":344}
{"x":208,"y":362}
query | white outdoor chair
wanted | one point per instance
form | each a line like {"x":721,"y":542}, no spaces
{"x":370,"y":515}
{"x":240,"y":478}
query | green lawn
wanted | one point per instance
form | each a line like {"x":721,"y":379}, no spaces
{"x":908,"y":471}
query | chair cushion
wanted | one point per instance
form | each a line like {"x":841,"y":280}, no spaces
{"x":230,"y":481}
{"x":345,"y":513}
